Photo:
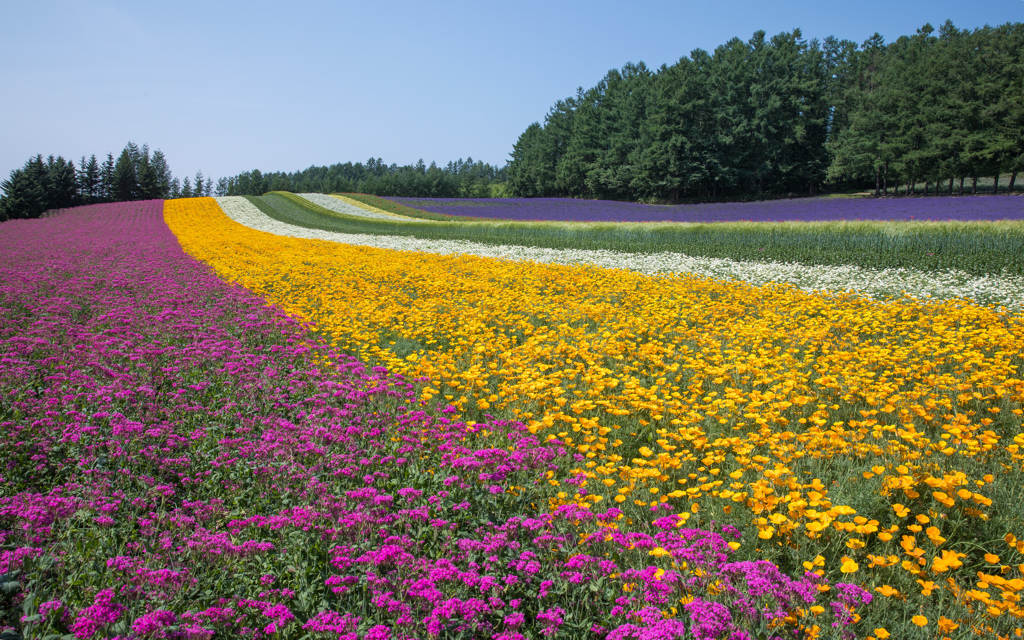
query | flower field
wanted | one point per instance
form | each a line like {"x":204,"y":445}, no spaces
{"x":987,"y":243}
{"x":860,"y":436}
{"x":213,"y":431}
{"x":998,"y":290}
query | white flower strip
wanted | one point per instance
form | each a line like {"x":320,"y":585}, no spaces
{"x":880,"y":284}
{"x":340,"y":206}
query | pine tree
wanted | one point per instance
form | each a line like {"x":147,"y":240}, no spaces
{"x":125,"y":181}
{"x":149,"y":187}
{"x":107,"y":179}
{"x":163,"y":174}
{"x":61,"y":189}
{"x":89,"y":180}
{"x":25,"y":191}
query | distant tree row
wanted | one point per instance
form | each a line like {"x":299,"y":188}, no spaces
{"x":461,"y":178}
{"x":782,"y":115}
{"x":56,"y":183}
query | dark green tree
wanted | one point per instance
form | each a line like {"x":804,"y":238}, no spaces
{"x":530,"y":171}
{"x":163,"y":174}
{"x":25,"y":191}
{"x":89,"y":180}
{"x":107,"y":179}
{"x":125,"y":183}
{"x":61,"y":186}
{"x":149,"y":179}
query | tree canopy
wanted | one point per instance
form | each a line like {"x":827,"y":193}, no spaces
{"x":460,"y":178}
{"x":783,"y":115}
{"x":55,"y":183}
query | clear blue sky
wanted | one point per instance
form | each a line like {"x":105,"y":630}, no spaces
{"x":229,"y":87}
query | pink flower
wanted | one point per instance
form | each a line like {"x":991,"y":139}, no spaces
{"x":102,"y":613}
{"x":378,"y":632}
{"x":152,"y":623}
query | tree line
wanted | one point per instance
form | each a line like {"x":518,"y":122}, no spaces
{"x":458,"y":179}
{"x":784,"y":115}
{"x":55,"y":183}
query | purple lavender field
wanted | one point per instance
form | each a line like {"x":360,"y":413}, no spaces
{"x":800,"y":210}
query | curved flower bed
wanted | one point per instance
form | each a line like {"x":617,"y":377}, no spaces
{"x":339,"y":205}
{"x":182,"y":460}
{"x":1003,"y":290}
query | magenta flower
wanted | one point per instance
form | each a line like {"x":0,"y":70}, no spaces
{"x":103,"y":612}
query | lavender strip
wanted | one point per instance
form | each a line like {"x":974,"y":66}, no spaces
{"x":799,"y":210}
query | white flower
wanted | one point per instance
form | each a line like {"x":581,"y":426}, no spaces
{"x":340,"y":206}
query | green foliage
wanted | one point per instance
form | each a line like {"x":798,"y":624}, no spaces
{"x":126,"y":181}
{"x":932,"y":108}
{"x":781,"y":115}
{"x":750,"y":118}
{"x":461,"y":178}
{"x":56,"y":183}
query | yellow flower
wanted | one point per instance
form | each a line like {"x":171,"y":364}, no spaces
{"x":849,"y":566}
{"x":920,"y":621}
{"x":949,"y":560}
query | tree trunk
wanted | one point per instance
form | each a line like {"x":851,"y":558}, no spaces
{"x":1013,"y":178}
{"x":995,"y":186}
{"x":885,"y":178}
{"x":878,"y":180}
{"x":951,"y":185}
{"x":910,"y":186}
{"x":926,"y":188}
{"x":961,"y":185}
{"x":974,"y":185}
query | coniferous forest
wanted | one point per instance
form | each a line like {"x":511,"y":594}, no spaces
{"x":783,"y":115}
{"x":55,"y":183}
{"x":458,"y":179}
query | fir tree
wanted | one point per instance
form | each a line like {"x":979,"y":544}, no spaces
{"x":125,"y":183}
